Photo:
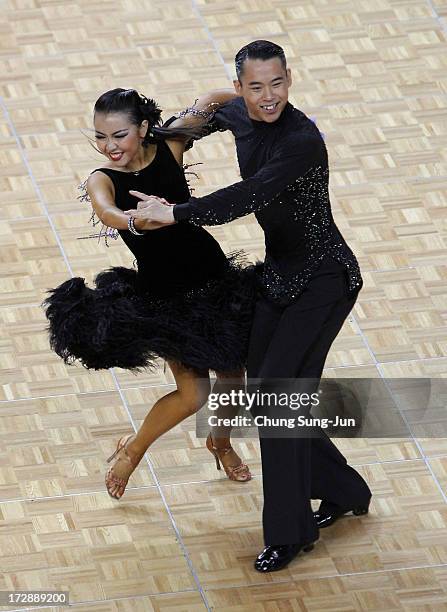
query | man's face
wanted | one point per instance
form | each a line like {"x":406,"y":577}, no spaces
{"x":264,"y":85}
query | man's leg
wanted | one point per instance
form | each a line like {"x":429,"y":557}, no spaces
{"x":265,"y":321}
{"x":277,"y":451}
{"x":333,"y":480}
{"x":303,"y":336}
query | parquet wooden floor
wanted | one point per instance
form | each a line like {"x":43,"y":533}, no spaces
{"x":373,"y":74}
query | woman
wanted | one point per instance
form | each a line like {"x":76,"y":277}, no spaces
{"x":188,"y":303}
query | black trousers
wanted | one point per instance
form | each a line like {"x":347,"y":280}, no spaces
{"x":290,"y":342}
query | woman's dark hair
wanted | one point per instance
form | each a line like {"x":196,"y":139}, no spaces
{"x":258,"y":49}
{"x":138,"y":108}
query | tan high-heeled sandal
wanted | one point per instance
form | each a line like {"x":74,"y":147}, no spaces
{"x":240,"y":473}
{"x":111,"y":480}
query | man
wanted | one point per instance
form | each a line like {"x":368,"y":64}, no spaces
{"x":310,"y":283}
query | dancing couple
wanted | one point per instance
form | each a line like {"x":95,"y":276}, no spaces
{"x":201,"y":310}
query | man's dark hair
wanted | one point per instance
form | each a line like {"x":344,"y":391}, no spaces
{"x":258,"y":49}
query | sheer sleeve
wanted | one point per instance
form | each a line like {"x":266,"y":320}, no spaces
{"x":296,"y":155}
{"x":213,"y":123}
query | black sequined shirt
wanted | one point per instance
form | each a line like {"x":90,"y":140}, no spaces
{"x":284,"y":167}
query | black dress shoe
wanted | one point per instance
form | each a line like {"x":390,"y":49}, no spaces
{"x":327,"y":517}
{"x":274,"y":558}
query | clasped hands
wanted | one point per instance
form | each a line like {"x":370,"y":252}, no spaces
{"x":154,"y":211}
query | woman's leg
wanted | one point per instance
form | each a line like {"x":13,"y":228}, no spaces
{"x":226,"y":382}
{"x":192,"y":392}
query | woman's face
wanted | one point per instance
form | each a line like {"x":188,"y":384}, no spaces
{"x":117,"y":138}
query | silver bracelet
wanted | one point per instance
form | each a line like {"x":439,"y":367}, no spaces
{"x":192,"y":110}
{"x":131,"y":227}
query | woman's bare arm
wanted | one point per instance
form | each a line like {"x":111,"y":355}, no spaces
{"x":197,"y":115}
{"x":102,"y":195}
{"x":203,"y":108}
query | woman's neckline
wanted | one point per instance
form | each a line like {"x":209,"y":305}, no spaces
{"x":136,"y":172}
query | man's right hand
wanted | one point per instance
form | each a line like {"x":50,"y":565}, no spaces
{"x":152,"y":209}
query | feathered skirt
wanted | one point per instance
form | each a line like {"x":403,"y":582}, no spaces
{"x":115,"y":324}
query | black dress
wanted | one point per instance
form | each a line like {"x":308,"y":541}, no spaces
{"x":188,"y":302}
